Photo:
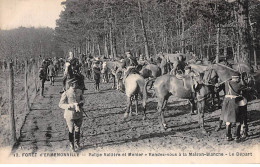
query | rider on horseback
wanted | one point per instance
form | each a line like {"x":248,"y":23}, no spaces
{"x":72,"y":70}
{"x":178,"y":66}
{"x":129,"y":65}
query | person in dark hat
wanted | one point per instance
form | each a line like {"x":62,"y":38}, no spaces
{"x":96,"y":74}
{"x":230,"y":112}
{"x":51,"y":72}
{"x":129,"y":60}
{"x":72,"y":102}
{"x":43,"y":76}
{"x":129,"y":64}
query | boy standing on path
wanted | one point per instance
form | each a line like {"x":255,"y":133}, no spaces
{"x":51,"y":72}
{"x":72,"y":102}
{"x":43,"y":77}
{"x":96,"y":75}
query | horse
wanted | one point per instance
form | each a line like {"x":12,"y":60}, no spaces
{"x":220,"y":72}
{"x":134,"y":86}
{"x":104,"y":72}
{"x":150,"y":71}
{"x":198,"y":68}
{"x":73,"y":71}
{"x":115,"y":71}
{"x":167,"y":85}
{"x":242,"y":67}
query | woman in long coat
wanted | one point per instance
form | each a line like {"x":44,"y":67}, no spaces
{"x":230,"y":112}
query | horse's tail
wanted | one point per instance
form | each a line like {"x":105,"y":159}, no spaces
{"x":145,"y":89}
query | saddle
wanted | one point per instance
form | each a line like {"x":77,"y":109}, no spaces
{"x":187,"y":81}
{"x":129,"y":70}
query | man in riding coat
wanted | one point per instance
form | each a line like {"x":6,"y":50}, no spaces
{"x":230,"y":112}
{"x":72,"y":102}
{"x":72,"y":70}
{"x":43,"y":77}
{"x":51,"y":72}
{"x":178,"y":66}
{"x":129,"y":64}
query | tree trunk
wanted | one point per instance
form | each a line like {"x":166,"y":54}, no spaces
{"x":208,"y":44}
{"x":253,"y":43}
{"x":244,"y":30}
{"x":105,"y":46}
{"x":99,"y":51}
{"x":125,"y":41}
{"x":217,"y":47}
{"x":93,"y":49}
{"x":183,"y":28}
{"x":144,"y":30}
{"x":111,"y":41}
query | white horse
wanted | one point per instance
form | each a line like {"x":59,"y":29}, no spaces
{"x":134,"y":86}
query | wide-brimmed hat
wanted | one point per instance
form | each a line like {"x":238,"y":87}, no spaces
{"x":72,"y":80}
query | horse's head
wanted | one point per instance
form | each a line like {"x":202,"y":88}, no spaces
{"x":210,"y":76}
{"x":139,"y":67}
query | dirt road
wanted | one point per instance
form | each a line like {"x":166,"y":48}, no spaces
{"x":105,"y":130}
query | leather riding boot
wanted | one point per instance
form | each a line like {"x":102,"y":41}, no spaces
{"x":77,"y":139}
{"x":245,"y":131}
{"x":237,"y":132}
{"x":71,"y":139}
{"x":228,"y":132}
{"x":220,"y":122}
{"x":42,"y":92}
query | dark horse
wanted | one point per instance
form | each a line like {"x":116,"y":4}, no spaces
{"x":73,"y":71}
{"x":182,"y":88}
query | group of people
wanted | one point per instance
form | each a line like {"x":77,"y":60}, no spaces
{"x":234,"y":109}
{"x":48,"y":70}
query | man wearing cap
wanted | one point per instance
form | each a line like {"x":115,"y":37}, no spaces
{"x":43,"y":77}
{"x":230,"y":112}
{"x":72,"y":102}
{"x":51,"y":72}
{"x":96,"y":75}
{"x":129,"y":64}
{"x":178,"y":66}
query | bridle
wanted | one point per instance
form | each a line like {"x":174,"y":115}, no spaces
{"x":209,"y":80}
{"x":200,"y":85}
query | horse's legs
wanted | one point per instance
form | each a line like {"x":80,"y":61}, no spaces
{"x":192,"y":104}
{"x":151,"y":85}
{"x":213,"y":94}
{"x":114,"y":81}
{"x":200,"y":108}
{"x":217,"y":94}
{"x":164,"y":104}
{"x":136,"y":104}
{"x":160,"y":111}
{"x":129,"y":103}
{"x":144,"y":108}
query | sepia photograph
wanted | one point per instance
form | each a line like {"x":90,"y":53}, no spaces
{"x":129,"y":81}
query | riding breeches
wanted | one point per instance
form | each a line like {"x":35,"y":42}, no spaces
{"x":43,"y":81}
{"x":74,"y":124}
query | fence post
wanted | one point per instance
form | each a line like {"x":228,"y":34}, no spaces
{"x":26,"y":85}
{"x":11,"y":103}
{"x":35,"y":78}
